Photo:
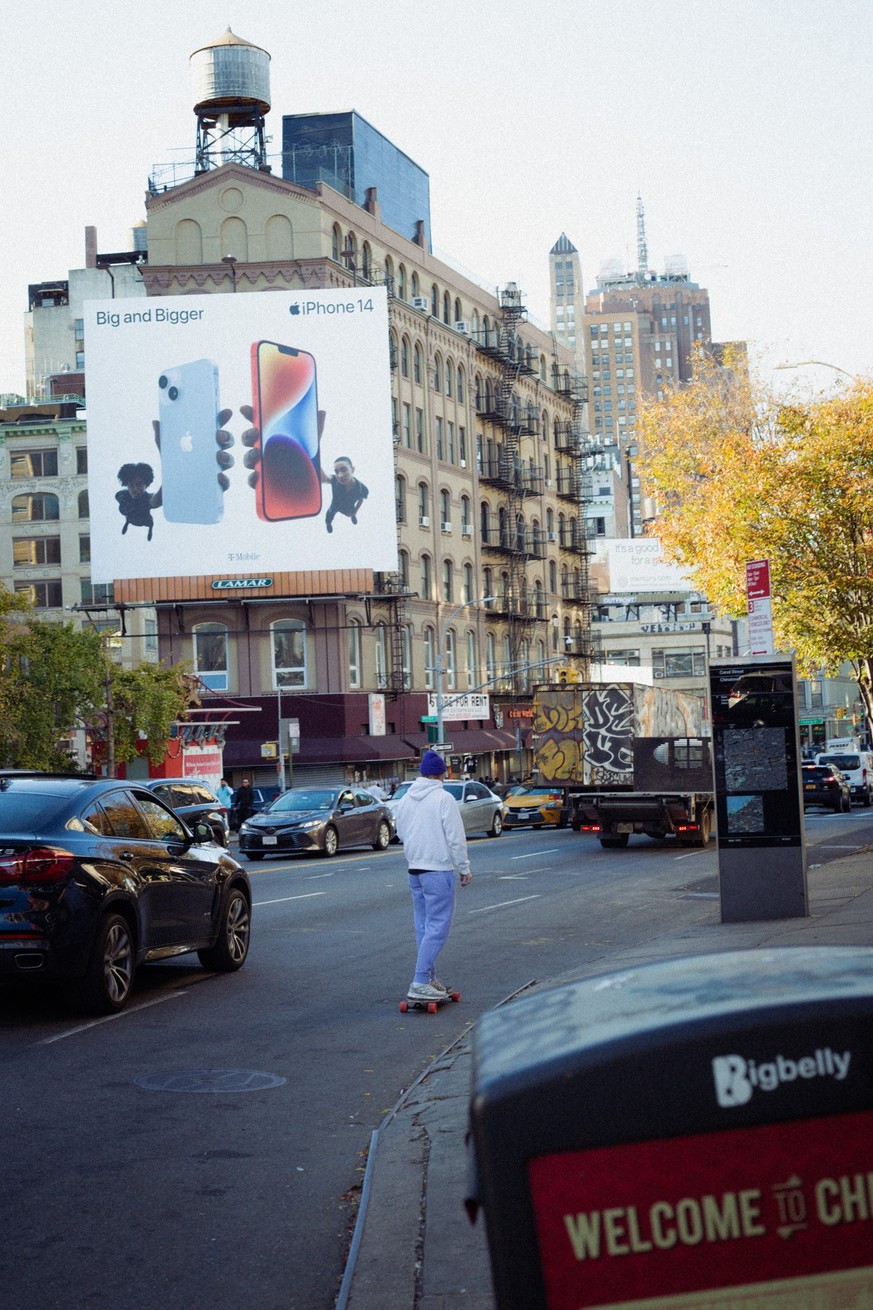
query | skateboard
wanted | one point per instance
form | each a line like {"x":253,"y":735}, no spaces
{"x":430,"y":1006}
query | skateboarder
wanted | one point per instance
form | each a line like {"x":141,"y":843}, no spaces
{"x":429,"y":825}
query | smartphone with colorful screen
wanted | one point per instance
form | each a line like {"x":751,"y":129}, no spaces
{"x":188,"y":413}
{"x":285,"y":404}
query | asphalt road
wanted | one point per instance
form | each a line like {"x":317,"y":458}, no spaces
{"x":203,"y":1148}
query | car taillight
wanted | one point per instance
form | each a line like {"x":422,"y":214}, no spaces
{"x":40,"y":864}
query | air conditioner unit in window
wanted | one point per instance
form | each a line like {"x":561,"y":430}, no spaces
{"x":463,"y":463}
{"x":447,"y":527}
{"x":421,"y":302}
{"x":466,"y":532}
{"x":462,"y":326}
{"x":423,"y":521}
{"x":553,"y":536}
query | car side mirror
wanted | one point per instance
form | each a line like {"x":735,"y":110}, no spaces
{"x":203,"y":832}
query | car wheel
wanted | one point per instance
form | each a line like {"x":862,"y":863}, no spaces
{"x":496,"y":825}
{"x":847,"y":805}
{"x":866,"y":800}
{"x":383,"y":837}
{"x":253,"y":855}
{"x":107,"y":984}
{"x":329,"y":842}
{"x":234,"y":931}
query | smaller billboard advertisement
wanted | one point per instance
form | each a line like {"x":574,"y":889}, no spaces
{"x":240,"y":434}
{"x":636,"y":565}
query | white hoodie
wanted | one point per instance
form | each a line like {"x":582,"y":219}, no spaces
{"x":430,"y":826}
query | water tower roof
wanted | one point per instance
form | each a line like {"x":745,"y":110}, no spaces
{"x":230,"y":38}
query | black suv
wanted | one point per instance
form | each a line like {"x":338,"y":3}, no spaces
{"x":98,"y":876}
{"x":824,"y":784}
{"x":193,"y":800}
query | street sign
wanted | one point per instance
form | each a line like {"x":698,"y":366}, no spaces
{"x":441,"y":746}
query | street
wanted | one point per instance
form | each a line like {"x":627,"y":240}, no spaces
{"x":201,"y":1148}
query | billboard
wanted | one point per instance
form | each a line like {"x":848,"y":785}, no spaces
{"x":636,"y":565}
{"x":240,"y":434}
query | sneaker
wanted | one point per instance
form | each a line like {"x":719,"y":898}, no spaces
{"x":435,"y":982}
{"x":425,"y":992}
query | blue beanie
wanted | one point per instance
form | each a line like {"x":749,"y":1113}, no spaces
{"x":432,"y":764}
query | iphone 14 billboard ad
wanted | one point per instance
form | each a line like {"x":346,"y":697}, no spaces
{"x":285,"y":405}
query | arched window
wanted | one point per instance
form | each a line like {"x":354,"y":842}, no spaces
{"x":404,"y":357}
{"x":451,"y":661}
{"x":36,"y":507}
{"x":401,"y":282}
{"x":416,"y":364}
{"x":459,"y":313}
{"x":437,"y":373}
{"x":336,"y":242}
{"x":429,"y":658}
{"x":490,"y":658}
{"x":414,"y":288}
{"x":400,"y":498}
{"x":406,"y":648}
{"x":448,"y":580}
{"x":426,"y":585}
{"x":553,"y":577}
{"x":353,"y":646}
{"x":450,"y":377}
{"x":366,"y":261}
{"x":445,"y":509}
{"x":423,"y":502}
{"x":83,"y":504}
{"x":435,"y":300}
{"x":466,"y":521}
{"x":488,"y":587}
{"x":289,"y":653}
{"x":389,"y":274}
{"x":462,"y":385}
{"x":380,"y":649}
{"x":447,"y":308}
{"x":210,"y":655}
{"x":472,"y":660}
{"x":539,"y":600}
{"x":469,"y":594}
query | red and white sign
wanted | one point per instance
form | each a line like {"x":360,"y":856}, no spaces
{"x":779,"y":1216}
{"x":759,"y":607}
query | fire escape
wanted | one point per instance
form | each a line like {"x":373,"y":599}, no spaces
{"x":506,"y":533}
{"x":576,"y":463}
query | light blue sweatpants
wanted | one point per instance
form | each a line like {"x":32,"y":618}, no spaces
{"x":433,"y":905}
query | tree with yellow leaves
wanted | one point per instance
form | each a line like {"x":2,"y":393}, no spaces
{"x":740,"y":475}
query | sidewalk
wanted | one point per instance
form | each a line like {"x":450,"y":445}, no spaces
{"x":414,"y":1248}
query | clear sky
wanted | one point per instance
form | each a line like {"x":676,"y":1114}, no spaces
{"x":745,"y":125}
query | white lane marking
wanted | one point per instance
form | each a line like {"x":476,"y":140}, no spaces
{"x":304,"y":896}
{"x":535,"y":855}
{"x":502,"y":904}
{"x":515,"y":877}
{"x":108,"y":1018}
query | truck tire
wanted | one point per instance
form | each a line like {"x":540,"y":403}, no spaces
{"x":705,"y":827}
{"x":614,"y":840}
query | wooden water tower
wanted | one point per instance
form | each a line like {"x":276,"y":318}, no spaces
{"x":231,"y":80}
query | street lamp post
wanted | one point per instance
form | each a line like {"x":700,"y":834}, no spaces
{"x":818,"y":363}
{"x":439,"y":664}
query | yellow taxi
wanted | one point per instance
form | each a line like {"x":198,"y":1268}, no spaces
{"x":533,"y":805}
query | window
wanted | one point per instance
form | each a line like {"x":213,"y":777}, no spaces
{"x":679,"y":663}
{"x":451,"y":661}
{"x":43,"y":595}
{"x":423,"y":501}
{"x":626,"y":657}
{"x":406,"y":435}
{"x":426,"y":585}
{"x":33,"y":464}
{"x":289,"y":653}
{"x":466,"y":522}
{"x":448,"y":585}
{"x":406,"y":656}
{"x":400,"y":498}
{"x":210,"y":655}
{"x":81,"y":459}
{"x":450,"y":443}
{"x":28,"y":551}
{"x":404,"y":357}
{"x":420,"y":443}
{"x":150,"y":632}
{"x":381,"y":654}
{"x":469,"y":594}
{"x":445,"y":509}
{"x":335,"y":243}
{"x":416,"y":364}
{"x":353,"y":649}
{"x":437,"y":374}
{"x":404,"y":569}
{"x":96,"y":593}
{"x":83,"y":505}
{"x":35,"y":507}
{"x":428,"y":658}
{"x":472,"y":659}
{"x":462,"y":446}
{"x":440,"y":445}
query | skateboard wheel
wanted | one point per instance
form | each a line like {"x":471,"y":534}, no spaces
{"x":456,"y":996}
{"x":432,"y":1007}
{"x":404,"y":1006}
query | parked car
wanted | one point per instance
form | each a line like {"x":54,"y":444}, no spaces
{"x":534,"y":805}
{"x":317,"y":819}
{"x":98,"y":876}
{"x":823,"y":784}
{"x":194,"y":801}
{"x":857,"y":768}
{"x":481,"y":809}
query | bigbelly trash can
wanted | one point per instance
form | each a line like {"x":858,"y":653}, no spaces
{"x":694,"y":1134}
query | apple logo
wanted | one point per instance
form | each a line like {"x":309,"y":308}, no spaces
{"x":187,"y":443}
{"x":294,"y":308}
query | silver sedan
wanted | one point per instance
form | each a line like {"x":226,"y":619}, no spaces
{"x":481,"y":809}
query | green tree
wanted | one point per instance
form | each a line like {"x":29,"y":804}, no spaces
{"x":739,"y":474}
{"x":146,"y":702}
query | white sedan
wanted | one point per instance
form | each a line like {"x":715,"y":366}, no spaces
{"x":481,"y":809}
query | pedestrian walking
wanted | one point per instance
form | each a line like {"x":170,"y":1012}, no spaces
{"x":430,"y":827}
{"x":244,"y":802}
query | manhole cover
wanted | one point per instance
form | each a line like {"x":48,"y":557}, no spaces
{"x":209,"y":1080}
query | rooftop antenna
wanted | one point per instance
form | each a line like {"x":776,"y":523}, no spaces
{"x":642,"y":247}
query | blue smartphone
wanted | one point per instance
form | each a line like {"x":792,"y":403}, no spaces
{"x":188,"y":413}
